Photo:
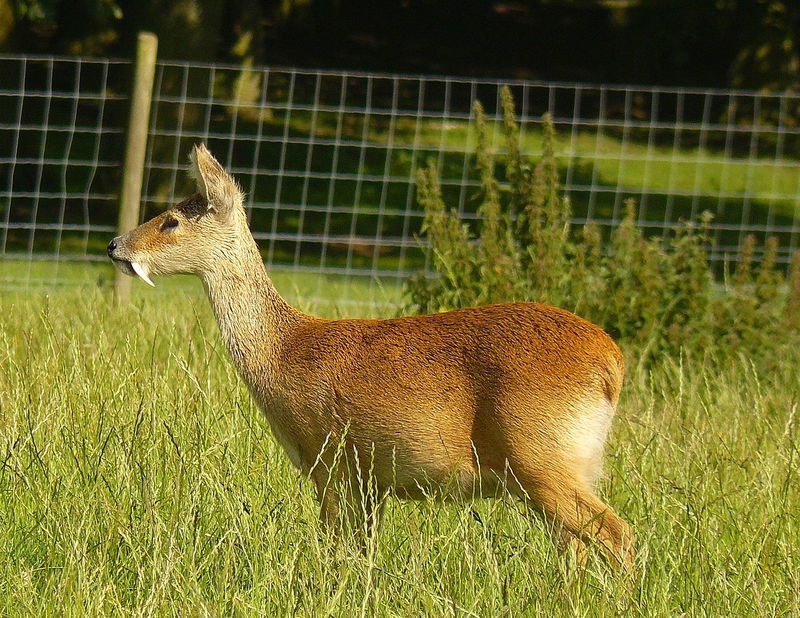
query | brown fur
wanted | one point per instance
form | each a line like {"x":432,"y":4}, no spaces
{"x":471,"y":402}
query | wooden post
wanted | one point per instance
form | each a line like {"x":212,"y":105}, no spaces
{"x":131,"y":190}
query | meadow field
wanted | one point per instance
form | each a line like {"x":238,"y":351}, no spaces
{"x":139,"y":479}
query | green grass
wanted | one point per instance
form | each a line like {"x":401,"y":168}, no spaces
{"x":138,"y":478}
{"x":308,"y":290}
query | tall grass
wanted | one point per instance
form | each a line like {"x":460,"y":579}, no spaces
{"x":138,"y":478}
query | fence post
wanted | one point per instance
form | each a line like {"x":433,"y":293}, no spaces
{"x":131,"y":190}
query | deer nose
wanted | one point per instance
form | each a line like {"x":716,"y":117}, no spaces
{"x":111,"y":246}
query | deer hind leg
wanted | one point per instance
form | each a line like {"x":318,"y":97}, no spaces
{"x":582,"y":520}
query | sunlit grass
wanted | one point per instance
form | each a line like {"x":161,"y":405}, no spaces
{"x":355,"y":295}
{"x":138,"y":478}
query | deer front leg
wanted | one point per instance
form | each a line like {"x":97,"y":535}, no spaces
{"x":349,"y":507}
{"x":330,"y":499}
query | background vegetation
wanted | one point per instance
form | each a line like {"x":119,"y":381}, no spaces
{"x":658,"y":294}
{"x":745,"y":43}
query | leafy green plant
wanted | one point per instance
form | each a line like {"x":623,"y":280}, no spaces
{"x":792,"y":313}
{"x":657,"y":295}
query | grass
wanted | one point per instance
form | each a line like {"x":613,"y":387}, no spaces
{"x":306,"y":289}
{"x":138,"y":478}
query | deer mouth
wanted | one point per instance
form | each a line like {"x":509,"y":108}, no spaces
{"x":133,"y":269}
{"x":124,"y":266}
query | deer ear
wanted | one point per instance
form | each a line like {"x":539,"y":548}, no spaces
{"x":216,"y":185}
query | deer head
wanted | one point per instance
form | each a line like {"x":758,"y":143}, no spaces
{"x":205,"y":232}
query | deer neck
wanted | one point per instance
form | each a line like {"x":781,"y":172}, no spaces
{"x":253,"y":318}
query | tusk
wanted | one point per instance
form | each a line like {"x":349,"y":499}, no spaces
{"x":142,"y":272}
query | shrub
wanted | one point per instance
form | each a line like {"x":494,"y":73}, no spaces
{"x":657,"y":295}
{"x":792,"y":313}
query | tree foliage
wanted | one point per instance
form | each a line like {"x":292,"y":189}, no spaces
{"x":747,"y":43}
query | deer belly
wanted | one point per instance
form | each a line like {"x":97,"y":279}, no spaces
{"x":418,"y":466}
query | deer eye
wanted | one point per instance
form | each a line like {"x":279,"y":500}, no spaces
{"x":169,"y":224}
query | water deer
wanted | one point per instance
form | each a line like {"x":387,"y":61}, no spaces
{"x":504,"y":398}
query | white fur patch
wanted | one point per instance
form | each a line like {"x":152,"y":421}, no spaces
{"x":587,"y":436}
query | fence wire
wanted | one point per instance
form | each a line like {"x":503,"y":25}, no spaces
{"x":61,"y":125}
{"x":329,"y":159}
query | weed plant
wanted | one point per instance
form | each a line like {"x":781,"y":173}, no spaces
{"x":657,"y":295}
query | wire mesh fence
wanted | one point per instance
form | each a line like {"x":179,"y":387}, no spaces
{"x":61,"y":125}
{"x":328,"y":159}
